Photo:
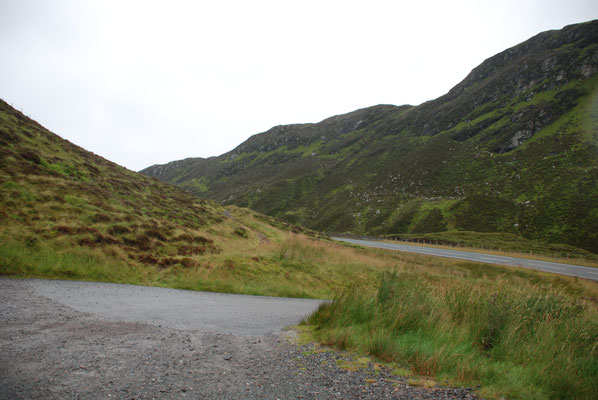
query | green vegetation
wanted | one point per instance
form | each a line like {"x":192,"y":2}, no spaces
{"x":119,"y":226}
{"x":513,"y":332}
{"x":444,"y":171}
{"x":197,"y":185}
{"x":289,"y":264}
{"x":454,"y":321}
{"x":66,"y":213}
{"x":37,"y":258}
{"x":511,"y":149}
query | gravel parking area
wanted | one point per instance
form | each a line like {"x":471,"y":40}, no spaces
{"x":90,"y":340}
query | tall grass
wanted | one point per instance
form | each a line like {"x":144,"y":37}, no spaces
{"x":39,"y":259}
{"x":514,"y":338}
{"x":290,"y":266}
{"x":516,"y":332}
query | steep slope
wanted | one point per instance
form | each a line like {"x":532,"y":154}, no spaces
{"x":67,"y":213}
{"x":52,"y":189}
{"x":512,"y":148}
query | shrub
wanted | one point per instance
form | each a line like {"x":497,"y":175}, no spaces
{"x":142,"y":242}
{"x":167,"y":262}
{"x":433,"y":221}
{"x":87,"y":241}
{"x":118,"y":230}
{"x":65,"y":230}
{"x":31,"y":156}
{"x":147,"y":259}
{"x":242,"y":232}
{"x":154,"y":233}
{"x":184,"y":237}
{"x":514,"y":337}
{"x":188,"y":262}
{"x":187,"y":250}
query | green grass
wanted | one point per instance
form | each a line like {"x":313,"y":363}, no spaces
{"x":198,"y":184}
{"x":39,"y":259}
{"x":515,"y":334}
{"x":285,"y":264}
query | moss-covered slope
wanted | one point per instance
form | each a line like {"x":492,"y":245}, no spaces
{"x":68,"y":213}
{"x":512,"y":148}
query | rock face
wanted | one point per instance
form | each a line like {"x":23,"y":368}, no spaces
{"x":518,"y":136}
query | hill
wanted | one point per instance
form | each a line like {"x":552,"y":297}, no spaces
{"x":512,"y":148}
{"x":66,"y":213}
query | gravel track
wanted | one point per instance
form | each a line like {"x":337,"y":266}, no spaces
{"x":179,"y":309}
{"x":60,"y":341}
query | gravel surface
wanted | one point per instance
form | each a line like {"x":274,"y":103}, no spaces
{"x":56,"y":343}
{"x":179,"y":309}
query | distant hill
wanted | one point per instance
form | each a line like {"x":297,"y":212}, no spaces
{"x":512,"y":148}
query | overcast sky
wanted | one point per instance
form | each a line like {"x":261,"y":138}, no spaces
{"x":147,"y":82}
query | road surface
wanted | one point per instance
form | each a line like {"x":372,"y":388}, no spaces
{"x":556,"y":268}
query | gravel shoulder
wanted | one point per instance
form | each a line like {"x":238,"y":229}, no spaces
{"x":58,"y":340}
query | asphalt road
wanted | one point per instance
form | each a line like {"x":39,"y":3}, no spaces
{"x":556,"y":268}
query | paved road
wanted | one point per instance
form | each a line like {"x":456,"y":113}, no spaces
{"x":179,"y":309}
{"x":556,"y":268}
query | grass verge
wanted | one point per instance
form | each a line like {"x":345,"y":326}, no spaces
{"x":286,"y":265}
{"x":514,"y":334}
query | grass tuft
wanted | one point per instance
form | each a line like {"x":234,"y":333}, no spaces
{"x":512,"y":336}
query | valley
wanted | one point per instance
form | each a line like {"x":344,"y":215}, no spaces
{"x":507,"y":159}
{"x":512,"y":149}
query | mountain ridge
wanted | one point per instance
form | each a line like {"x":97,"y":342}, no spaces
{"x":511,"y":148}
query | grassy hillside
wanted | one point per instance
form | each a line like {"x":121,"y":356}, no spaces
{"x":513,"y":148}
{"x":67,"y":213}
